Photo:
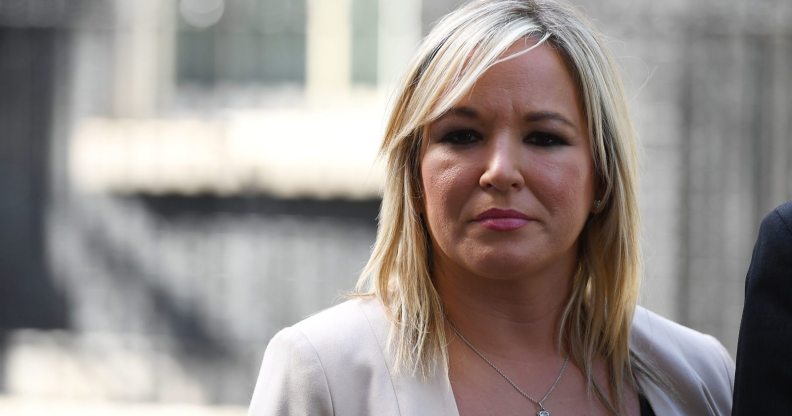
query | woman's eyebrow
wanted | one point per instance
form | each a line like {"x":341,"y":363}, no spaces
{"x":535,"y":116}
{"x":464,"y":112}
{"x":531,"y":117}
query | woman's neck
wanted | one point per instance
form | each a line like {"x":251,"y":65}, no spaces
{"x":506,"y":317}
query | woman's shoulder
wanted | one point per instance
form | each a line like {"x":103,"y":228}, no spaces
{"x":318,"y":364}
{"x":656,"y":336}
{"x":358,"y":321}
{"x":650,"y":327}
{"x":695,"y":363}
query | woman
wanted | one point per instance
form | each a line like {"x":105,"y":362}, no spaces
{"x":505,"y":273}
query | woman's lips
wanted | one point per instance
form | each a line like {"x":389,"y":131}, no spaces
{"x":502,"y":219}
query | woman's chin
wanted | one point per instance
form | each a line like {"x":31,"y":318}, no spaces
{"x":501,"y":268}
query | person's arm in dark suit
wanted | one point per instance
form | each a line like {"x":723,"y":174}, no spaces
{"x":763,"y":380}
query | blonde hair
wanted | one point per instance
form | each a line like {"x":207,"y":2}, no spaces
{"x":462,"y":46}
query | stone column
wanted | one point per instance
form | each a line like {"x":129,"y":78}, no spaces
{"x":329,"y":49}
{"x":399,"y":36}
{"x":144,"y":56}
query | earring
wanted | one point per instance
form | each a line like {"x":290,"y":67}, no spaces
{"x":597,"y":205}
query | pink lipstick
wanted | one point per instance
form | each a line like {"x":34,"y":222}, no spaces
{"x":502,"y":219}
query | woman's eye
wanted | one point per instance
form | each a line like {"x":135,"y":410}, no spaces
{"x":544,"y":139}
{"x":461,"y":137}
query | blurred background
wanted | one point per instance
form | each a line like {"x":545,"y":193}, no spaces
{"x":182,"y":178}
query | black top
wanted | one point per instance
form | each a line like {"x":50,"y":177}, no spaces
{"x":646,"y":408}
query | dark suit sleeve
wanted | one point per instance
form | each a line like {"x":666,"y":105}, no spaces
{"x":763,"y":380}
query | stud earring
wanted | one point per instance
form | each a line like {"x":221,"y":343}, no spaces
{"x":597,"y":206}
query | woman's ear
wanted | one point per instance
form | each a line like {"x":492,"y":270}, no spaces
{"x":597,"y":206}
{"x":418,"y":184}
{"x":419,"y":203}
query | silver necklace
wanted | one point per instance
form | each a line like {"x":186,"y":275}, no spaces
{"x":541,"y":411}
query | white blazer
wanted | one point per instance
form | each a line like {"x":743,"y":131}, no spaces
{"x":337,"y":363}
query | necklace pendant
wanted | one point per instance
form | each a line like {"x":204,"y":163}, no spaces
{"x":543,"y":412}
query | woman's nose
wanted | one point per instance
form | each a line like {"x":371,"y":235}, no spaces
{"x":502,"y":170}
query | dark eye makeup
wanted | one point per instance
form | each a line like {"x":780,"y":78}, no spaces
{"x":544,"y":139}
{"x":463,"y":137}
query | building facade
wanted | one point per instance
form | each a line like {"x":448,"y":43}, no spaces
{"x":187,"y":177}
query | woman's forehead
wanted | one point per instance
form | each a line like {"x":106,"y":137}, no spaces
{"x":531,"y":76}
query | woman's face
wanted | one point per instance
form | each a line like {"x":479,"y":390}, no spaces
{"x":507,"y":174}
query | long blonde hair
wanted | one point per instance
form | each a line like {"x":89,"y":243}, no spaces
{"x":462,"y":46}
